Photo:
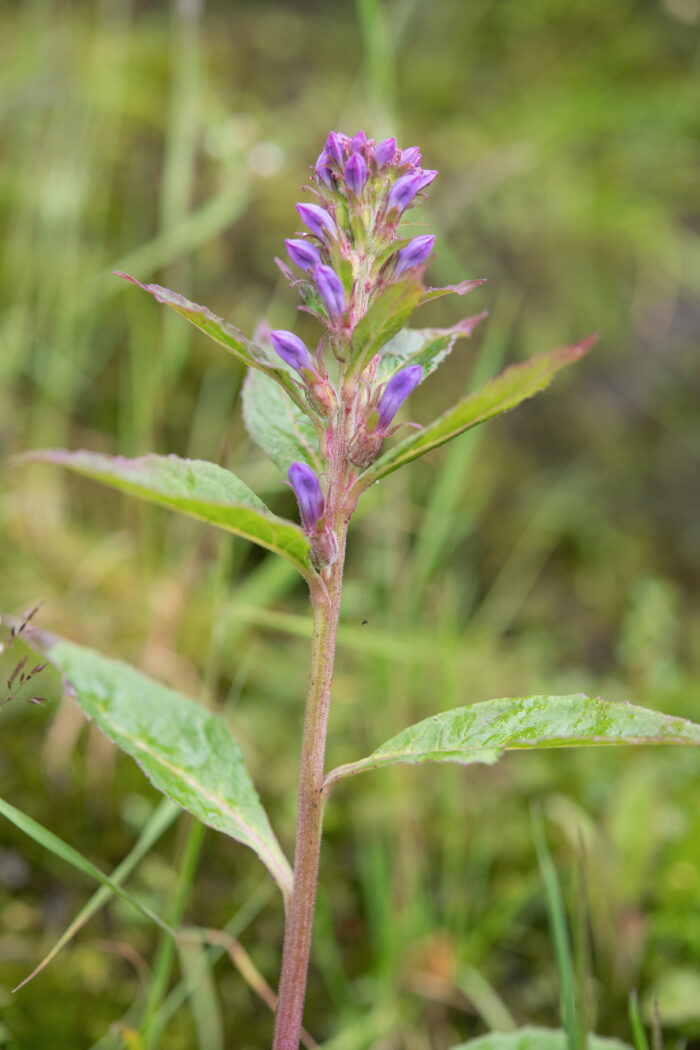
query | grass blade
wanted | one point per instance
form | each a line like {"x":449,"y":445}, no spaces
{"x":71,"y":856}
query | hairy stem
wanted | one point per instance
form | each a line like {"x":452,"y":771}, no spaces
{"x":297,"y":939}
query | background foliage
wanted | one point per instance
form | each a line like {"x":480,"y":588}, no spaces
{"x":555,"y":550}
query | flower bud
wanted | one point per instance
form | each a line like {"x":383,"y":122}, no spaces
{"x":302,"y":253}
{"x":331,"y":290}
{"x":384,"y":153}
{"x":397,"y":390}
{"x":317,"y":219}
{"x":358,"y":142}
{"x":334,"y":148}
{"x":415,"y":253}
{"x":365,"y":447}
{"x":322,"y":170}
{"x":322,"y":397}
{"x":356,"y":173}
{"x":410,"y":156}
{"x":405,"y":189}
{"x":308,"y":493}
{"x":292,"y":350}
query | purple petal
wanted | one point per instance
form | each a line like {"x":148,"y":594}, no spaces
{"x":322,"y":170}
{"x":334,"y":148}
{"x":358,"y":142}
{"x":425,"y":178}
{"x":397,"y":390}
{"x":356,"y":173}
{"x":302,"y":253}
{"x":402,"y":192}
{"x":308,"y":493}
{"x":415,"y":253}
{"x":384,"y":153}
{"x":292,"y":350}
{"x":410,"y":156}
{"x":331,"y":290}
{"x":405,"y":188}
{"x":317,"y":219}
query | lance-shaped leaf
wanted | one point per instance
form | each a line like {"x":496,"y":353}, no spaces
{"x":427,"y":347}
{"x":193,"y":487}
{"x":277,"y":425}
{"x":451,"y":289}
{"x":505,"y":391}
{"x":185,"y":751}
{"x":222,"y":332}
{"x":483,"y":732}
{"x":386,"y":316}
{"x":537,"y":1039}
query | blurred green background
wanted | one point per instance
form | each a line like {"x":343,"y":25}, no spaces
{"x":554,"y":550}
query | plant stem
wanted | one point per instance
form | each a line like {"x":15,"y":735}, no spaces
{"x":297,"y":938}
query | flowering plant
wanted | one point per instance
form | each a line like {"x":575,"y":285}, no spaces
{"x":324,"y":414}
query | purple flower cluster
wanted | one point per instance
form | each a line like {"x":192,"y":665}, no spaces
{"x":363,"y":188}
{"x":349,"y":253}
{"x":350,"y":165}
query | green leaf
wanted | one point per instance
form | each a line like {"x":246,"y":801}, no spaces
{"x":222,"y":332}
{"x":67,"y":853}
{"x":277,"y":425}
{"x":386,"y":316}
{"x":427,"y":347}
{"x":463,"y":288}
{"x":505,"y":391}
{"x":185,"y":751}
{"x":536,"y":1039}
{"x":484,"y":731}
{"x":194,"y":487}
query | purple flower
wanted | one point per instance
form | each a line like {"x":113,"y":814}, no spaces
{"x":404,"y":189}
{"x":410,"y":156}
{"x":302,"y":253}
{"x":415,"y":253}
{"x":397,"y":390}
{"x":317,"y":219}
{"x":358,"y":142}
{"x":334,"y":148}
{"x":331,"y":290}
{"x":292,"y":350}
{"x":356,"y":173}
{"x":322,"y":169}
{"x":308,"y":493}
{"x":384,"y":153}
